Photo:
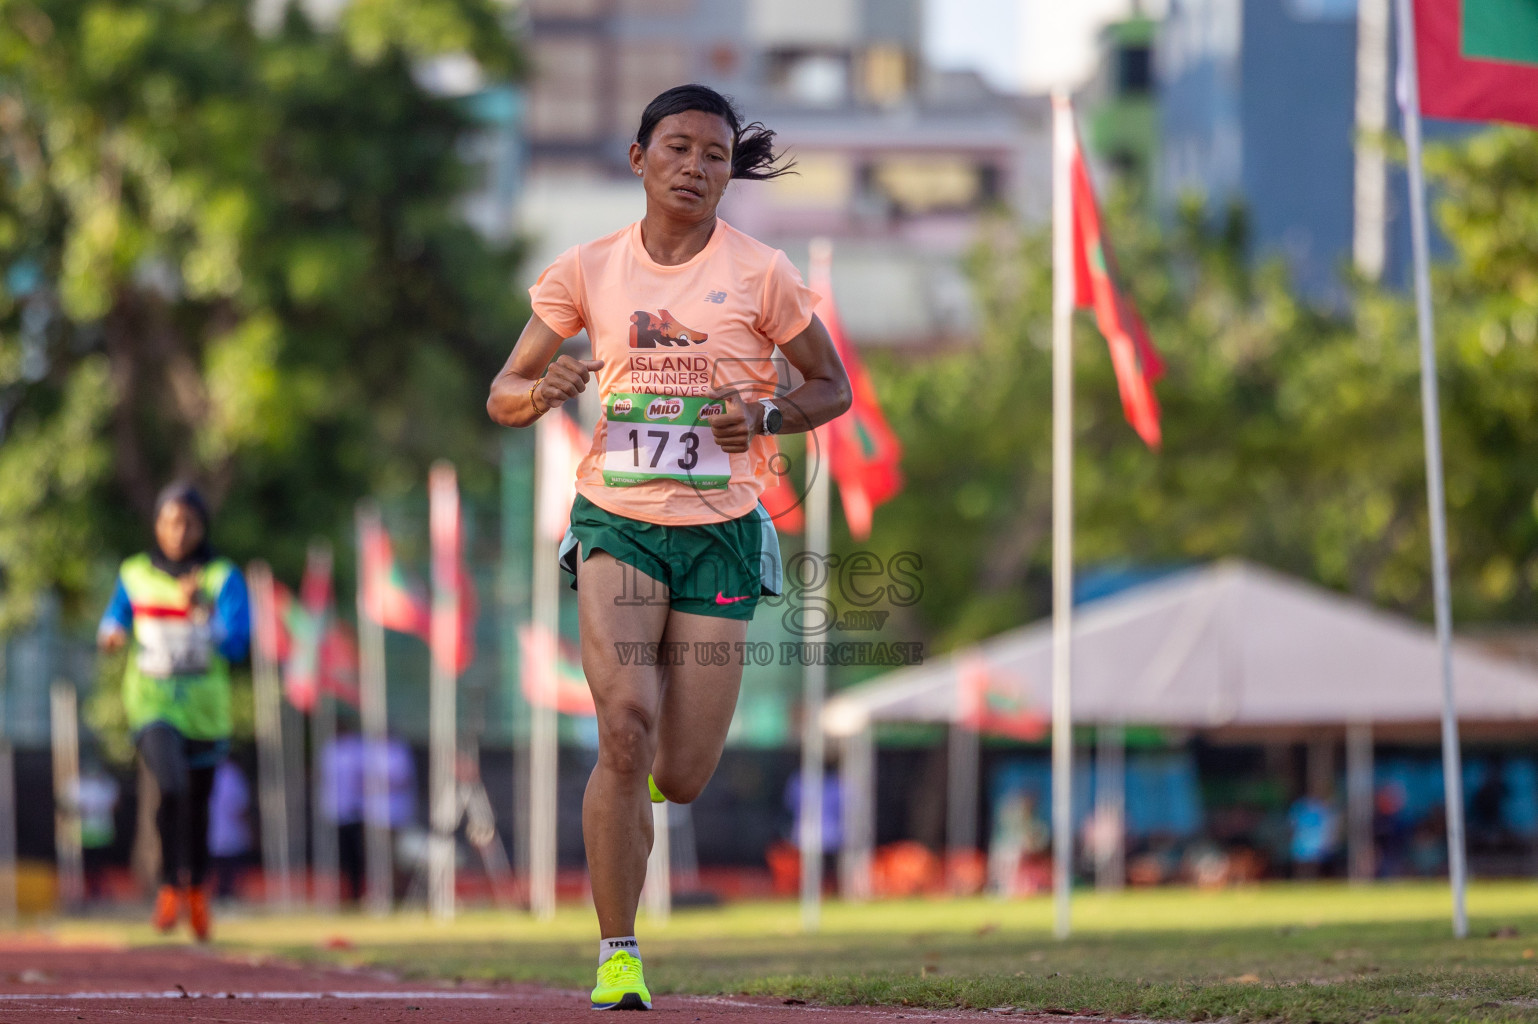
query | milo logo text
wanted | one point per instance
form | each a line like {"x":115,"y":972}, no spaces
{"x":622,"y":406}
{"x":712,"y":409}
{"x":664,"y":409}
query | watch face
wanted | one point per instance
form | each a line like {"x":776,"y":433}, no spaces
{"x":772,"y":420}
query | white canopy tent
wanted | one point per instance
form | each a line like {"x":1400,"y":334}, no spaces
{"x":1231,"y":645}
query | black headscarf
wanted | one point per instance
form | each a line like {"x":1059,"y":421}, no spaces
{"x":184,"y":494}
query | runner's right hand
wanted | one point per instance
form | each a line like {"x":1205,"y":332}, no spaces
{"x":566,"y":378}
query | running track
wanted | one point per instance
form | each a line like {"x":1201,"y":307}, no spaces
{"x":40,"y":981}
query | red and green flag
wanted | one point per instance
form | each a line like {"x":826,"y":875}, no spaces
{"x":1477,"y":60}
{"x":783,"y":502}
{"x":389,"y":598}
{"x":318,"y":653}
{"x":863,"y":453}
{"x":565,"y":689}
{"x":452,"y":634}
{"x":989,"y":706}
{"x":1133,"y":356}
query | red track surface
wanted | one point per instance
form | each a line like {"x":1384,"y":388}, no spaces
{"x":44,"y":982}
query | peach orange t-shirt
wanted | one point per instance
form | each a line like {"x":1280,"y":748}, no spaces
{"x":667,"y":335}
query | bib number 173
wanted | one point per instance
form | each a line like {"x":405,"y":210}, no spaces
{"x":653,"y":437}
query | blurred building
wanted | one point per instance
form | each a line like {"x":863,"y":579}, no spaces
{"x":1256,"y":103}
{"x":898,"y":163}
{"x":1118,"y":106}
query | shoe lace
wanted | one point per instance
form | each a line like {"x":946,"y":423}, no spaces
{"x":621,"y":969}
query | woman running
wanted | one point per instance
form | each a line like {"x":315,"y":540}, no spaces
{"x":187,"y":616}
{"x":669,"y":545}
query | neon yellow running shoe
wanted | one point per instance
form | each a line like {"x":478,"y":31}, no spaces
{"x":620,"y":985}
{"x":651,"y":785}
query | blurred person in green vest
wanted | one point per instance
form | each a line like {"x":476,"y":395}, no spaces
{"x":185,"y":615}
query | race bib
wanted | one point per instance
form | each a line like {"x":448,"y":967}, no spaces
{"x":662,"y":437}
{"x":173,"y":647}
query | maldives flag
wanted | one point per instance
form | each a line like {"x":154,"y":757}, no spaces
{"x":988,"y":706}
{"x":1477,"y":60}
{"x":306,"y":626}
{"x":783,"y":502}
{"x":561,"y":446}
{"x":552,"y":673}
{"x":320,"y":655}
{"x":388,"y":597}
{"x":863,"y":452}
{"x":1136,"y":363}
{"x":453,"y":614}
{"x":274,"y":637}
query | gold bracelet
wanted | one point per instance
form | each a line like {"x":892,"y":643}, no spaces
{"x":533,"y":388}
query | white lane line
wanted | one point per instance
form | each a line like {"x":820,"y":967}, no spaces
{"x":177,"y":994}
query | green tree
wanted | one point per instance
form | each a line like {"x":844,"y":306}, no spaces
{"x":234,"y":256}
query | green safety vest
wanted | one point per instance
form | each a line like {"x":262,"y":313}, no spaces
{"x":175,"y":672}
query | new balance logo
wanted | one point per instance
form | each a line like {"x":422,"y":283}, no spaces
{"x":716,"y":297}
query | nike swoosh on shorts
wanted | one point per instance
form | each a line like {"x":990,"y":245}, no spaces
{"x":723,"y":599}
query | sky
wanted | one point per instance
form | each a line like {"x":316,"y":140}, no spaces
{"x":1027,"y":45}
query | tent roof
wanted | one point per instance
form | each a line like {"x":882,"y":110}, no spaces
{"x":1231,"y":644}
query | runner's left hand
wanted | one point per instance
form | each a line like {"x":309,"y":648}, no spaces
{"x":735,"y":427}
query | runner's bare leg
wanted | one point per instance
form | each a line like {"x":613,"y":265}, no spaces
{"x":616,"y":811}
{"x":698,"y":699}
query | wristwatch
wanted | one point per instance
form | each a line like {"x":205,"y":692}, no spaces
{"x":773,"y":418}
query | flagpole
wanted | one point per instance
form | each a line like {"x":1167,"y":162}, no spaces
{"x":1452,"y":768}
{"x":64,"y":728}
{"x":1370,"y":182}
{"x":1062,"y":509}
{"x":443,"y":504}
{"x":323,"y":826}
{"x":543,"y":750}
{"x":814,"y":681}
{"x":374,"y":715}
{"x":271,"y":795}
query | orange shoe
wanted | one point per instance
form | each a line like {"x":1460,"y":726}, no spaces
{"x":197,"y":913}
{"x":168,"y":906}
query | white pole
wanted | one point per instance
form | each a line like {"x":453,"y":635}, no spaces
{"x":814,"y":683}
{"x":857,"y":773}
{"x":1452,"y":760}
{"x":374,"y":715}
{"x":271,"y":796}
{"x":1360,"y":856}
{"x":442,"y":727}
{"x":1369,"y":206}
{"x":963,"y":751}
{"x":295,"y":799}
{"x":65,"y":722}
{"x":1111,"y":807}
{"x":323,"y":825}
{"x":544,"y":753}
{"x":657,"y":891}
{"x":1063,"y":143}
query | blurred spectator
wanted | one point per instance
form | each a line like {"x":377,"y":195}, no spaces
{"x":1391,"y":830}
{"x":832,"y":817}
{"x":1018,"y":834}
{"x":342,"y":795}
{"x":229,"y":827}
{"x":96,"y":799}
{"x":1487,"y":823}
{"x":1428,"y":844}
{"x":1315,"y":835}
